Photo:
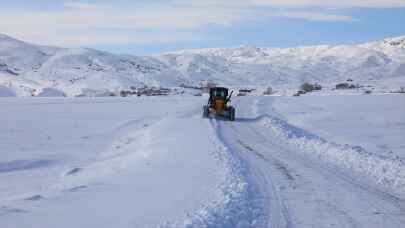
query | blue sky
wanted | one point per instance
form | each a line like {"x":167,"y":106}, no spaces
{"x":147,"y":27}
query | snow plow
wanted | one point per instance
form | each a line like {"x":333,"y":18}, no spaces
{"x":218,"y":104}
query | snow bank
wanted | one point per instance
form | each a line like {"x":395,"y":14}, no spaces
{"x":6,"y":92}
{"x":374,"y":122}
{"x":237,"y":207}
{"x":384,"y":171}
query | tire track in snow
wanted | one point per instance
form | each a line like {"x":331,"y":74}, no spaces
{"x":377,"y":200}
{"x":247,"y":207}
{"x":285,"y":181}
{"x":278,"y":214}
{"x":387,"y":175}
{"x":366,"y":207}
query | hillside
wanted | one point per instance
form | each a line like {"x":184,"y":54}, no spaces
{"x":251,"y":65}
{"x":27,"y":69}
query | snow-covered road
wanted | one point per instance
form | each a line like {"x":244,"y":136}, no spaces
{"x":305,"y":192}
{"x":154,"y":162}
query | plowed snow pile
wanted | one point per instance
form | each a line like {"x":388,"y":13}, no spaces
{"x":361,"y":134}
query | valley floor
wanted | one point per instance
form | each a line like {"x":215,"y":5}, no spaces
{"x":330,"y":161}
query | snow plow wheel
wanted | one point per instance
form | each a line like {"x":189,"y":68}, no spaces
{"x":205,"y":111}
{"x":231,"y":113}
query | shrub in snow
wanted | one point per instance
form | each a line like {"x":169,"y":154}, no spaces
{"x":402,"y":90}
{"x":346,"y":85}
{"x":125,"y":93}
{"x":308,"y":87}
{"x":146,"y":91}
{"x":97,"y":93}
{"x":268,"y":91}
{"x":299,"y":93}
{"x":51,"y":92}
{"x":106,"y":94}
{"x":317,"y":86}
{"x":342,"y":86}
{"x":245,"y":92}
{"x":6,"y":92}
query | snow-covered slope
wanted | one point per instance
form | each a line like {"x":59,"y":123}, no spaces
{"x":276,"y":66}
{"x":28,"y":68}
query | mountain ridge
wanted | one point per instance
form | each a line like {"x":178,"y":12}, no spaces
{"x":27,"y":69}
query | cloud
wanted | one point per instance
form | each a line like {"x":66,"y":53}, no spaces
{"x":83,"y":23}
{"x":314,"y":16}
{"x":298,"y":3}
{"x":78,"y":5}
{"x":333,"y":3}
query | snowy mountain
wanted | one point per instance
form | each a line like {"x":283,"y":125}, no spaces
{"x":27,"y":69}
{"x":276,"y":66}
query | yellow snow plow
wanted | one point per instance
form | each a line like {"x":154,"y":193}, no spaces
{"x":218,"y":104}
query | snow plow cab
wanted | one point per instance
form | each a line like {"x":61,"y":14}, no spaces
{"x":218,"y":104}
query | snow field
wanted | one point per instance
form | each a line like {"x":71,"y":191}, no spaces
{"x":118,"y":163}
{"x":376,"y":123}
{"x":154,"y":162}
